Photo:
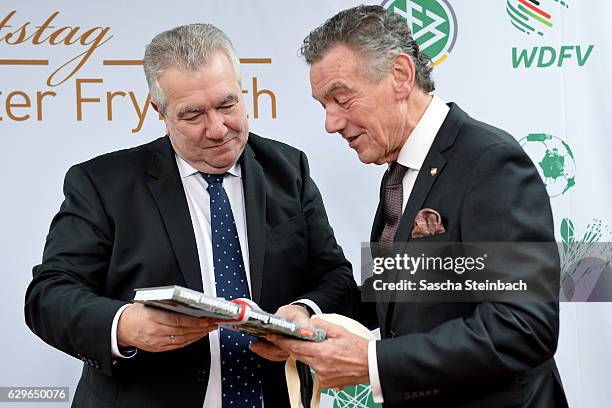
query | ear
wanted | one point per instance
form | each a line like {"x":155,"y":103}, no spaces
{"x":404,"y":72}
{"x":161,"y":115}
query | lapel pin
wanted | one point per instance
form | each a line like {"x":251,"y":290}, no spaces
{"x":433,"y":171}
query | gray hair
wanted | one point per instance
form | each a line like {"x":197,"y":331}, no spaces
{"x":376,"y":34}
{"x":187,"y":47}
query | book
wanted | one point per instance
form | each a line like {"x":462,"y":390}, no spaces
{"x":242,"y":315}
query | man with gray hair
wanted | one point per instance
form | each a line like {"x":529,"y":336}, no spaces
{"x":209,"y":206}
{"x":450,"y":178}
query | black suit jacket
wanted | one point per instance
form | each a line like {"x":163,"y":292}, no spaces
{"x":125,"y":224}
{"x":472,"y":354}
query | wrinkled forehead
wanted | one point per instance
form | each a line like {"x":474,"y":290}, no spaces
{"x":338,"y":68}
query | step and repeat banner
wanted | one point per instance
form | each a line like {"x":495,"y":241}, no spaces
{"x":72,"y":87}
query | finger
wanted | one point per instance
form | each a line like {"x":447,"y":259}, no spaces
{"x":169,"y":318}
{"x":175,"y":342}
{"x":190,"y":321}
{"x":269,"y":351}
{"x":177,"y":320}
{"x":331,"y":330}
{"x":280,"y":341}
{"x":295,"y":347}
{"x":160,"y":316}
{"x":182,"y":341}
{"x":189,"y":325}
{"x":294,"y":312}
{"x":308,"y":360}
{"x":180,"y":331}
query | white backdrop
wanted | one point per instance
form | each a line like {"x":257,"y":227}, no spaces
{"x":569,"y":99}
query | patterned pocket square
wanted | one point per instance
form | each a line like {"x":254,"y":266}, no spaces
{"x":427,"y":222}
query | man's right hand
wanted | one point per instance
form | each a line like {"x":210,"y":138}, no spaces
{"x":155,"y":330}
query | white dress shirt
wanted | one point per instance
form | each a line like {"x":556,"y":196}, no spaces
{"x":412,"y":155}
{"x":198,"y":201}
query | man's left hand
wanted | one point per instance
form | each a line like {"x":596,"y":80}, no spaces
{"x":272,"y":352}
{"x":339,"y":361}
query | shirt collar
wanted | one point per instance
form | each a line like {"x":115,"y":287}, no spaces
{"x":414,"y":151}
{"x":186,"y":169}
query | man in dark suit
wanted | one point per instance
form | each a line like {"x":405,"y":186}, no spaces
{"x":147,"y":216}
{"x":450,"y":179}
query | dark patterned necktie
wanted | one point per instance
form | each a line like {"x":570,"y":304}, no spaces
{"x":240,"y":367}
{"x":392,"y":204}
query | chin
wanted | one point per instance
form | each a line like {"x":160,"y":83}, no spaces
{"x":224,"y":163}
{"x":364,"y":158}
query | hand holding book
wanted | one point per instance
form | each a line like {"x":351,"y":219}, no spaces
{"x":271,"y":351}
{"x":157,"y":330}
{"x":240,"y":314}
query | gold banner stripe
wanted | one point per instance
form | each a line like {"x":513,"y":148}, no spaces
{"x":255,"y":60}
{"x":23,"y":62}
{"x":122,"y":62}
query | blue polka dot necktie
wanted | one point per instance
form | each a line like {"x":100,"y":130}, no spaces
{"x":240,"y":367}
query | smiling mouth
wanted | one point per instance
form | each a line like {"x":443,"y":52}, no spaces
{"x":220,"y":145}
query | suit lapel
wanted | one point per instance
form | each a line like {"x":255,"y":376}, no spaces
{"x":169,"y":195}
{"x":254,"y":185}
{"x":422,"y":186}
{"x":443,"y":141}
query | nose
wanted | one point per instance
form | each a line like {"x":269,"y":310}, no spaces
{"x":334,"y":122}
{"x":215,"y":125}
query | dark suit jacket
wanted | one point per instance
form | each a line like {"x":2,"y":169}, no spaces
{"x":472,"y":354}
{"x":125,"y":224}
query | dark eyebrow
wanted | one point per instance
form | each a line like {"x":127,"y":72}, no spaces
{"x":187,"y":110}
{"x":334,"y":86}
{"x":231,"y":98}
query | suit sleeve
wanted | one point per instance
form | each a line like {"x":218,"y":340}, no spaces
{"x":335,"y":290}
{"x":63,"y":303}
{"x":506,"y":202}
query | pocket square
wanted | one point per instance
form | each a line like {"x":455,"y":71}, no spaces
{"x":427,"y":222}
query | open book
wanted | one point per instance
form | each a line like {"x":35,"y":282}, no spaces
{"x":239,"y":314}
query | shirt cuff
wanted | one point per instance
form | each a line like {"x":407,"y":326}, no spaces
{"x":316,"y":309}
{"x":127,"y":353}
{"x":373,"y":372}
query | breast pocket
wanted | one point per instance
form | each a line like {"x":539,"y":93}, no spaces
{"x":443,"y":237}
